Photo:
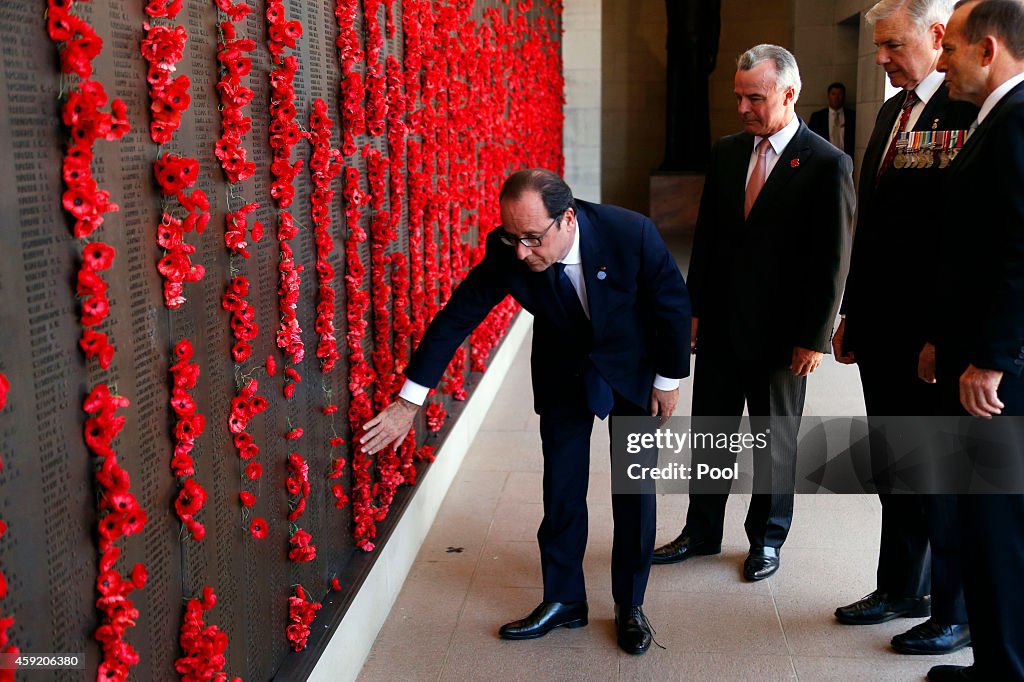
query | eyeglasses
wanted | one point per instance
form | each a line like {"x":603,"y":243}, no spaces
{"x":510,"y":240}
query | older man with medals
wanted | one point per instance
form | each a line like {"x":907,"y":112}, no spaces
{"x":885,"y":309}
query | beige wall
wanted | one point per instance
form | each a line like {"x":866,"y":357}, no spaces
{"x":581,"y":63}
{"x":633,"y":84}
{"x":745,"y":23}
{"x":828,"y":37}
{"x":632,"y":99}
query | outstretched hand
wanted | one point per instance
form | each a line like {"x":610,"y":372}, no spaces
{"x":390,"y":427}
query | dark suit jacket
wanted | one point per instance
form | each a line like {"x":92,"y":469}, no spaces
{"x":774,"y":280}
{"x":819,"y":124}
{"x":639,"y":310}
{"x":982,"y":248}
{"x":892,"y":271}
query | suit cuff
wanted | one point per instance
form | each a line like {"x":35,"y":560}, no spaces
{"x":664,"y":384}
{"x":413,"y":392}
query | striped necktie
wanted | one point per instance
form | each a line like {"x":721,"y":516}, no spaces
{"x":890,"y":154}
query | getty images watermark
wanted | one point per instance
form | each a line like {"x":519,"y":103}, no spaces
{"x":675,"y":442}
{"x":937,"y":455}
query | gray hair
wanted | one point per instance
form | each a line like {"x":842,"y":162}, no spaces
{"x":923,"y":13}
{"x":788,"y":73}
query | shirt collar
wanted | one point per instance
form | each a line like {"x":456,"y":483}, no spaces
{"x":779,"y":140}
{"x":573,"y":257}
{"x":927,"y":88}
{"x":992,"y":100}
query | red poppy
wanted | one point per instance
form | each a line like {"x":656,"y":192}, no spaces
{"x":196,"y":529}
{"x":190,"y":500}
{"x":134,"y":521}
{"x":183,"y":350}
{"x":254,"y":470}
{"x":341,"y":499}
{"x":175,"y":173}
{"x":195,"y":201}
{"x":249,"y":389}
{"x":241,"y":351}
{"x":246,"y":498}
{"x":302,"y":554}
{"x":98,"y":256}
{"x":299,"y":510}
{"x":111,"y":476}
{"x":77,"y":54}
{"x":236,"y":422}
{"x":62,"y":26}
{"x":80,"y":203}
{"x":163,"y":8}
{"x":258,"y":528}
{"x":186,"y":374}
{"x":139,"y":576}
{"x":238,"y":12}
{"x":182,"y":464}
{"x":109,"y":583}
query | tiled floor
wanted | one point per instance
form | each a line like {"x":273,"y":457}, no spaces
{"x":479,"y":568}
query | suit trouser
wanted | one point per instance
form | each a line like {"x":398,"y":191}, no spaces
{"x":992,"y":535}
{"x":565,"y":436}
{"x":919,"y":550}
{"x":722,"y":383}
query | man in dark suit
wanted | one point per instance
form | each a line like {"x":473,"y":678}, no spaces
{"x":980,"y":337}
{"x":836,"y":123}
{"x":883,"y":329}
{"x":770,"y":255}
{"x":611,"y":335}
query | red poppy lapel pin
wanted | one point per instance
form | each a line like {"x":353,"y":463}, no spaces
{"x":795,"y":163}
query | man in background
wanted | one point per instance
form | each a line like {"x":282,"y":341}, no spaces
{"x":836,"y":123}
{"x":884,"y":326}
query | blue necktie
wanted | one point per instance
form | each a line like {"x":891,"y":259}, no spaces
{"x":600,"y":398}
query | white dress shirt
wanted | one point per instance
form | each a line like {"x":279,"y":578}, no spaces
{"x":836,"y":124}
{"x":993,"y":99}
{"x":776,"y":145}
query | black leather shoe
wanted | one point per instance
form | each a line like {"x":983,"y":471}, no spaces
{"x":683,"y":548}
{"x":632,"y":629}
{"x":545,"y":618}
{"x":879,"y":607}
{"x":952,"y":673}
{"x":930,"y":637}
{"x":761,"y":562}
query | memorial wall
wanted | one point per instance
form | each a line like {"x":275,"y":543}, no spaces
{"x":225,"y":227}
